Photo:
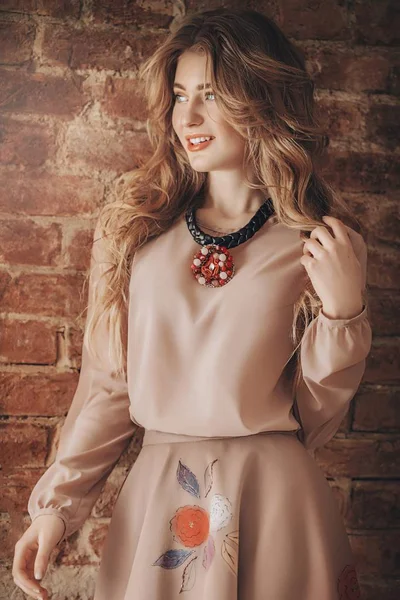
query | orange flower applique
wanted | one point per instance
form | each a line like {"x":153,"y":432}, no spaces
{"x":193,"y":526}
{"x":348,"y":587}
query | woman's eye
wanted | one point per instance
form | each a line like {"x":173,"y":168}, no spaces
{"x":175,"y":96}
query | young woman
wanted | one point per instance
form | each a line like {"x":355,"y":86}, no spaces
{"x":227,"y":316}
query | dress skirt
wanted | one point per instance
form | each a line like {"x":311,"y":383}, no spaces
{"x":230,"y":518}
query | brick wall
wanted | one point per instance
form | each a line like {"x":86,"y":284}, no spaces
{"x":70,"y":124}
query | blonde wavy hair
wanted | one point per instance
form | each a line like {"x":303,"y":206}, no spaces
{"x":265,"y":93}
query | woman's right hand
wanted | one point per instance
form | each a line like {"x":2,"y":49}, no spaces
{"x":32,"y":553}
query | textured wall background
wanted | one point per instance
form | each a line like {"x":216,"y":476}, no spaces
{"x":71,"y":122}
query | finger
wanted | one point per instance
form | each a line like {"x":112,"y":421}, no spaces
{"x":21,"y":559}
{"x":322,"y":234}
{"x":314,"y":247}
{"x":338,"y":228}
{"x":42,"y":560}
{"x":29,"y":591}
{"x":307,"y":261}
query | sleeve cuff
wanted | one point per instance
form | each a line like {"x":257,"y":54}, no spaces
{"x":342,"y":322}
{"x":56,"y":513}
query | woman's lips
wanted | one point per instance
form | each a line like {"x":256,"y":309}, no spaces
{"x":196,"y":147}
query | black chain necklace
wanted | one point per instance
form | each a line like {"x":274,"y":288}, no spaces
{"x":213,"y":265}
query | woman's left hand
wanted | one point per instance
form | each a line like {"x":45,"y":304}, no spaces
{"x":334,"y":270}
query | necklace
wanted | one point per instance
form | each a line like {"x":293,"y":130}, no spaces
{"x":213,"y":230}
{"x":213,"y":265}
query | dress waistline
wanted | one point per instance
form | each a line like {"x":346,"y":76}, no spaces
{"x":152,"y":436}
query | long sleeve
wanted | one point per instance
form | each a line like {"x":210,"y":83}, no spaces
{"x":96,"y":430}
{"x":333,"y":357}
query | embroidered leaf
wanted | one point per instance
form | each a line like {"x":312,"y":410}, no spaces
{"x":220,"y":512}
{"x":209,"y":552}
{"x":188,"y":480}
{"x":188,"y":577}
{"x":230,"y":556}
{"x":233,"y":538}
{"x":208,"y":477}
{"x":172,"y":558}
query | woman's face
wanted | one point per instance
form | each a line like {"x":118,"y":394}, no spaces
{"x":196,"y":112}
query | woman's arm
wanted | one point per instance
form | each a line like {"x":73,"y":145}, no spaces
{"x":333,"y":356}
{"x":97,"y":429}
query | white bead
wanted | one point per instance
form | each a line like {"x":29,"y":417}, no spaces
{"x":215,"y":255}
{"x":212,"y":266}
{"x":220,"y":264}
{"x":204,"y":251}
{"x":197,"y":262}
{"x":222,"y":257}
{"x":223,"y":275}
{"x":201,"y":280}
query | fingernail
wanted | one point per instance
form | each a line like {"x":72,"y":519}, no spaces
{"x":38,"y":575}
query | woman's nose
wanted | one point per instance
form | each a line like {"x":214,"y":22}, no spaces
{"x":192,"y":116}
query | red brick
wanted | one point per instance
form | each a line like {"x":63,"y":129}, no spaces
{"x":106,"y":48}
{"x":383,"y":362}
{"x":380,"y":215}
{"x":361,"y":455}
{"x":328,"y":20}
{"x":383,"y":312}
{"x":41,"y":394}
{"x":383,"y":266}
{"x":382,"y":125}
{"x":377,"y":553}
{"x":340,"y":69}
{"x":126,"y":13}
{"x":22,"y":445}
{"x":15,"y":489}
{"x":26,"y":144}
{"x":7,"y":542}
{"x":40,"y":93}
{"x":353,"y":171}
{"x":44,"y":294}
{"x":28,"y":342}
{"x":121,"y":98}
{"x":377,"y":410}
{"x":28,"y":243}
{"x":341,"y":118}
{"x":376,"y":22}
{"x":75,"y":347}
{"x":78,"y":249}
{"x":51,"y":8}
{"x":46,"y":194}
{"x":378,"y":589}
{"x":105,"y":149}
{"x":16,"y":40}
{"x":374,"y":507}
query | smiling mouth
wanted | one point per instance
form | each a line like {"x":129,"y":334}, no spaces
{"x":200,"y":146}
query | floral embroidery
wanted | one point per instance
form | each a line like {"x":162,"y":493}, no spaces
{"x":192,"y":526}
{"x":348,"y":587}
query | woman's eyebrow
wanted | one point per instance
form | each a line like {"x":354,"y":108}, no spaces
{"x":201,"y":86}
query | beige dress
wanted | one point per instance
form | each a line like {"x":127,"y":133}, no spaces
{"x":224,"y":501}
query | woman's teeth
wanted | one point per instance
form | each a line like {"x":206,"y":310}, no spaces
{"x":199,"y":140}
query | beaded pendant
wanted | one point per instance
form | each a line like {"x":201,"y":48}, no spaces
{"x":213,"y":265}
